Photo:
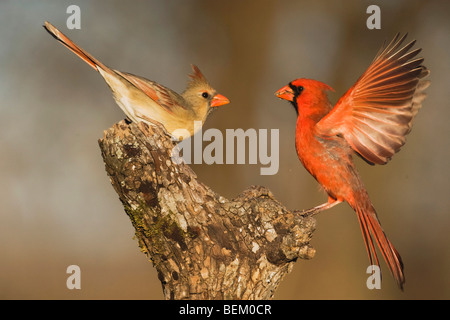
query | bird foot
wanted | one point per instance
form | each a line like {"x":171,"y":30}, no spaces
{"x":313,"y":211}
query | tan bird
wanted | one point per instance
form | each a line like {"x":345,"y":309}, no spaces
{"x":148,"y":101}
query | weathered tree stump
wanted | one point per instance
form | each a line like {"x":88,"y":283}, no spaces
{"x":203,"y":245}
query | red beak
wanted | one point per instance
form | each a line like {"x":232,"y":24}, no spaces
{"x":285,"y":93}
{"x":219,"y":100}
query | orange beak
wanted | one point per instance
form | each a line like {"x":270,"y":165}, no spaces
{"x":285,"y":93}
{"x":219,"y":100}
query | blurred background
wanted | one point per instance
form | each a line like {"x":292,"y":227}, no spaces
{"x":58,"y":207}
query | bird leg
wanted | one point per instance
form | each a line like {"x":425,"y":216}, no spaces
{"x":324,"y":206}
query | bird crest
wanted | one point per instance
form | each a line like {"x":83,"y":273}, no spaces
{"x":196,"y":77}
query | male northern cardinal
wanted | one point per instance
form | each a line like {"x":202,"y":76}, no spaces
{"x":145,"y":100}
{"x":372,"y":119}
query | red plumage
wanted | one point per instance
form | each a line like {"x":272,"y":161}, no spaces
{"x":372,"y":119}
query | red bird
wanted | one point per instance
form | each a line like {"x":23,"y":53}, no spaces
{"x":371,"y":119}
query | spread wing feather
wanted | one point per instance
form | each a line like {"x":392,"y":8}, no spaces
{"x":376,"y":114}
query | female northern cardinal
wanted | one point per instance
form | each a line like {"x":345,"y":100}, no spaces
{"x":372,"y":119}
{"x":148,"y":101}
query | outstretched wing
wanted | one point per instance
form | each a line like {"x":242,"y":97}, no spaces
{"x":376,"y":114}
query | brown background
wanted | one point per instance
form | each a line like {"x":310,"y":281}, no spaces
{"x":58,"y":207}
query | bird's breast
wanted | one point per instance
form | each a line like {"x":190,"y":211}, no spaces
{"x":329,"y":161}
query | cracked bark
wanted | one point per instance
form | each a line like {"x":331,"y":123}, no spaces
{"x":203,"y":245}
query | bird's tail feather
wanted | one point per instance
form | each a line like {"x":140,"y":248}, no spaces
{"x":371,"y":227}
{"x":86,"y":57}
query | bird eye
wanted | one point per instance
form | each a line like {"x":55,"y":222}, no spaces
{"x":205,"y":95}
{"x":297,"y":90}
